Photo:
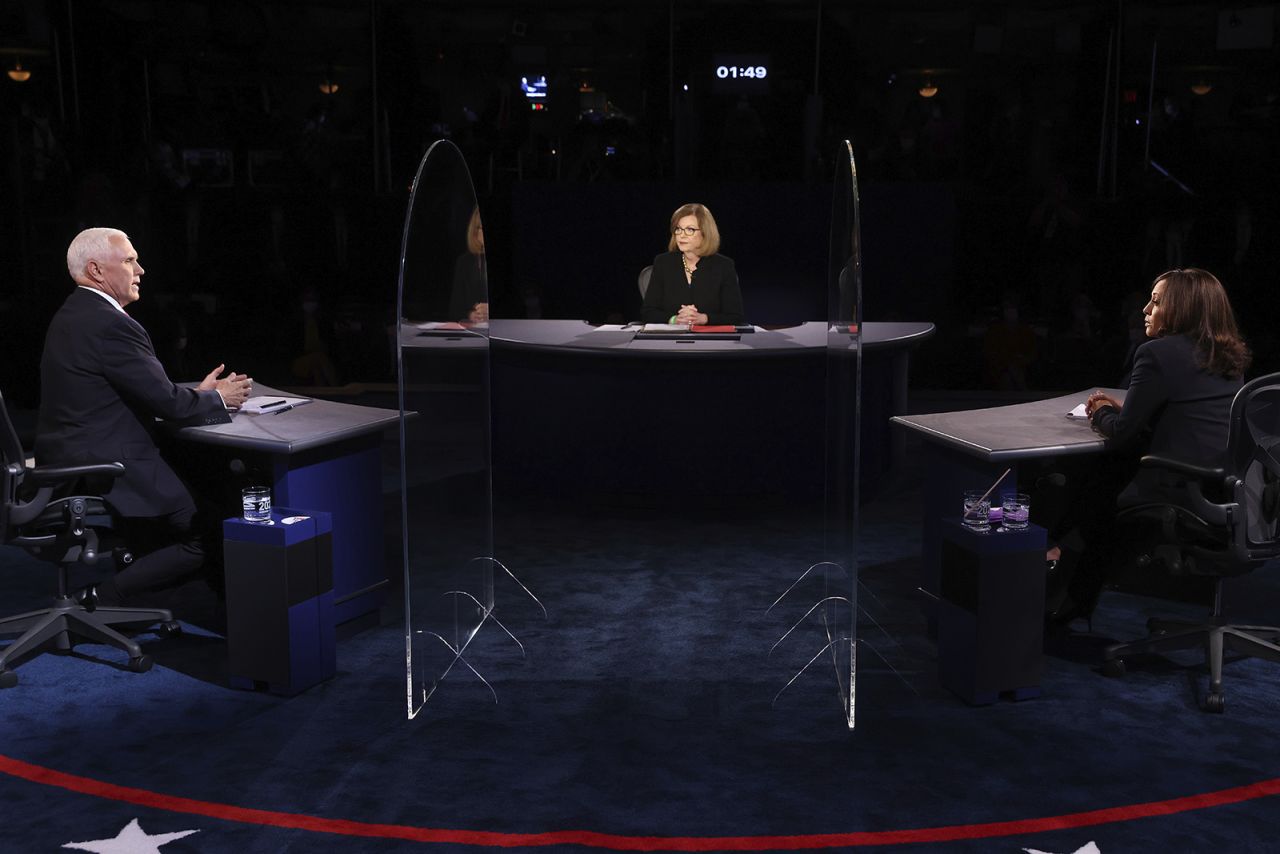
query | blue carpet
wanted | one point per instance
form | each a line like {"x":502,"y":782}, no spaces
{"x":644,"y":708}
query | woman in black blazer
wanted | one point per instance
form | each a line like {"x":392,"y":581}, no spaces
{"x":691,"y":283}
{"x":1178,"y":405}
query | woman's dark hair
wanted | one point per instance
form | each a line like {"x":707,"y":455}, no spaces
{"x":1195,"y":304}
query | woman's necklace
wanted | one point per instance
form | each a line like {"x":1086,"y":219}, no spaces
{"x":688,"y":271}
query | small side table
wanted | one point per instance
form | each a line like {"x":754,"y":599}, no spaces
{"x":279,"y":586}
{"x":991,"y":612}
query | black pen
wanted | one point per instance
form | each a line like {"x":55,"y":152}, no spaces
{"x":283,"y":408}
{"x":271,"y":404}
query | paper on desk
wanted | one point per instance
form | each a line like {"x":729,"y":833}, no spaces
{"x":665,"y":327}
{"x":1078,"y":412}
{"x":446,"y":325}
{"x":271,"y":403}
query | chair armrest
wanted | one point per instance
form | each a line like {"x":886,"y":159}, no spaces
{"x":1165,"y":512}
{"x":45,"y":475}
{"x":1203,"y":473}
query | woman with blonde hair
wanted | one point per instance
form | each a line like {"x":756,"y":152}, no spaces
{"x":469,"y":298}
{"x":692,"y":283}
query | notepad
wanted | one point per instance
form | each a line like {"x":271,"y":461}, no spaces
{"x":1078,"y":412}
{"x":267,"y":404}
{"x":665,"y":327}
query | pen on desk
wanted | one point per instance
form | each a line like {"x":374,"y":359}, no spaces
{"x":271,"y":404}
{"x":283,"y":408}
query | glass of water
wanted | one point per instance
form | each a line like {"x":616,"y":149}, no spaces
{"x":255,"y":502}
{"x":1017,"y":511}
{"x":977,"y":511}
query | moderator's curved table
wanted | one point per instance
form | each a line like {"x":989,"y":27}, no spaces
{"x":577,"y":336}
{"x":596,"y":408}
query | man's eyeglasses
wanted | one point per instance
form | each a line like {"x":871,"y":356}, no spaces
{"x":686,"y":232}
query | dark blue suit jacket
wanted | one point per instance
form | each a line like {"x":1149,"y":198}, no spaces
{"x":101,"y":389}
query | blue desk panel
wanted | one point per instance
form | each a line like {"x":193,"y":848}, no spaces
{"x":326,"y":456}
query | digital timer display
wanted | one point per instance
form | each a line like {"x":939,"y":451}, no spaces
{"x":740,"y":73}
{"x":727,"y":72}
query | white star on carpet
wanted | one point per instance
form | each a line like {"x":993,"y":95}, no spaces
{"x":1087,"y":848}
{"x":132,"y":840}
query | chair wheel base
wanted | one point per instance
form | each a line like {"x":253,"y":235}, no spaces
{"x":8,"y":679}
{"x":1215,"y":703}
{"x":1113,"y":667}
{"x":141,"y":664}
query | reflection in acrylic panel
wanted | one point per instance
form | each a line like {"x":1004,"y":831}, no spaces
{"x":444,"y":393}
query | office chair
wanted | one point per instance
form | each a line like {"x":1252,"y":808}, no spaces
{"x":643,"y":281}
{"x":64,"y":531}
{"x":1226,"y":525}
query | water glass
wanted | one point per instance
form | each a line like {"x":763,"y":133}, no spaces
{"x":977,"y":511}
{"x":255,"y":502}
{"x":1017,"y":510}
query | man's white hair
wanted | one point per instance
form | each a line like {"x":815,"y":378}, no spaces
{"x":92,"y":244}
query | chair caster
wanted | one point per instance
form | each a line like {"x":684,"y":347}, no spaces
{"x":141,"y":664}
{"x":169,"y":629}
{"x":1215,"y":703}
{"x":1113,"y":667}
{"x":8,"y":679}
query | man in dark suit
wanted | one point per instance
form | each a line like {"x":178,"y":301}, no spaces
{"x":101,"y":389}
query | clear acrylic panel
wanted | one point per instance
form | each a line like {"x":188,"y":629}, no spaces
{"x":844,"y":411}
{"x":445,"y":466}
{"x":818,"y":610}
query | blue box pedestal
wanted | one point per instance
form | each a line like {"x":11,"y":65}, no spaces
{"x":279,"y":586}
{"x":991,"y":612}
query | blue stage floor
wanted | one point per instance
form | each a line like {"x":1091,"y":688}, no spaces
{"x":642,"y":718}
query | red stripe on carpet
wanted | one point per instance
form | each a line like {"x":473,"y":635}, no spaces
{"x":343,"y":827}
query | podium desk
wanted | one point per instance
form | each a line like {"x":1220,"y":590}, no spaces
{"x":970,"y":448}
{"x":325,"y":456}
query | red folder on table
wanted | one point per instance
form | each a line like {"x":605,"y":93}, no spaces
{"x":724,"y":328}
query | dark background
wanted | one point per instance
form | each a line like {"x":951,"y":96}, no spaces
{"x":200,"y":128}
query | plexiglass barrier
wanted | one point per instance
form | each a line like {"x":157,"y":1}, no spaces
{"x":445,"y":465}
{"x":820,"y":608}
{"x":844,"y":421}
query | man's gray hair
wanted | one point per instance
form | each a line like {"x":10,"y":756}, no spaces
{"x":92,"y":244}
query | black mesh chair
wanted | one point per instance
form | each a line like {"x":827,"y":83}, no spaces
{"x":1224,"y":525}
{"x":642,"y":281}
{"x":64,"y":531}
